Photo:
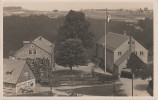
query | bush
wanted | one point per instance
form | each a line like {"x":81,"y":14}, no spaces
{"x":47,"y":93}
{"x":151,"y":84}
{"x":126,"y":74}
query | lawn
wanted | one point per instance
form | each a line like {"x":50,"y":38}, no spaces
{"x":100,"y":90}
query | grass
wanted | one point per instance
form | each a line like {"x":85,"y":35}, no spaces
{"x":102,"y":90}
{"x":46,"y":93}
{"x":68,"y":72}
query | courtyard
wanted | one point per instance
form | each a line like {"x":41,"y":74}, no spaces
{"x":81,"y":82}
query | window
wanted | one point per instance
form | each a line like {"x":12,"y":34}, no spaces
{"x":30,"y":51}
{"x":8,"y":73}
{"x":12,"y":85}
{"x":32,"y":46}
{"x":128,"y":42}
{"x":6,"y":84}
{"x":34,"y":51}
{"x":26,"y":74}
{"x":136,"y":52}
{"x":141,"y":53}
{"x":119,"y":53}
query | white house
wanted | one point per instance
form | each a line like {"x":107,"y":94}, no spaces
{"x":118,"y":49}
{"x":38,"y":48}
{"x":17,"y":75}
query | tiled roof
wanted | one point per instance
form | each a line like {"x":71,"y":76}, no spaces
{"x":113,"y":40}
{"x":14,"y":67}
{"x":45,"y":46}
{"x":48,"y":47}
{"x":123,"y":57}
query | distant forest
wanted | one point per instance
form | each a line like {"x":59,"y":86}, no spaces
{"x":17,"y":29}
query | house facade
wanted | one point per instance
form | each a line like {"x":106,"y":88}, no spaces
{"x":118,"y":49}
{"x":38,"y":48}
{"x":17,"y":76}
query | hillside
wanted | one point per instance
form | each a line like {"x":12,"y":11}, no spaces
{"x":17,"y":29}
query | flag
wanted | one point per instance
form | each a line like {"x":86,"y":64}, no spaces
{"x":108,"y":17}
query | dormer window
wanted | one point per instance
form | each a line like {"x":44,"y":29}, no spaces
{"x":9,"y":72}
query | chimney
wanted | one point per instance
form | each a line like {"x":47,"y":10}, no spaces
{"x":124,"y":33}
{"x":40,"y":38}
{"x":25,"y":42}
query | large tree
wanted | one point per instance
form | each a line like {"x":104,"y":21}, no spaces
{"x":71,"y":53}
{"x":73,"y":40}
{"x":76,"y":26}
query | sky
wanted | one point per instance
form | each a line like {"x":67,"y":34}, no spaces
{"x":49,"y":6}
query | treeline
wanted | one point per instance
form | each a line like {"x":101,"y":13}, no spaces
{"x":17,"y":29}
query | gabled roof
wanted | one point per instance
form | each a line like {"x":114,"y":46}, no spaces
{"x":44,"y":45}
{"x":135,"y":61}
{"x":14,"y":67}
{"x":123,"y":57}
{"x":113,"y":40}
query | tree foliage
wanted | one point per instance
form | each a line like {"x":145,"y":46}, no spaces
{"x":71,"y":53}
{"x":40,"y":67}
{"x":76,"y":26}
{"x":73,"y":40}
{"x":134,"y":62}
{"x":17,"y":29}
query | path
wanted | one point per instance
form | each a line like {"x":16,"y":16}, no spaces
{"x":140,"y":87}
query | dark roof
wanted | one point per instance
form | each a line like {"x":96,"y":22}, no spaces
{"x":135,"y":61}
{"x":123,"y":57}
{"x":113,"y":41}
{"x":14,"y":67}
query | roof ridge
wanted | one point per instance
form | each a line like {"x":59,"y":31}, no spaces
{"x":118,"y":34}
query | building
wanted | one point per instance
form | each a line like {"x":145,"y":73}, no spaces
{"x":17,"y":76}
{"x":38,"y":48}
{"x":118,"y":49}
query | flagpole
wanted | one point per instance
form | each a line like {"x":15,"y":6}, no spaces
{"x":105,"y":39}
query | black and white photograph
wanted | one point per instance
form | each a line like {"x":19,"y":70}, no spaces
{"x":78,"y":49}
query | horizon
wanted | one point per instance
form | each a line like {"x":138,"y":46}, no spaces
{"x":66,"y":6}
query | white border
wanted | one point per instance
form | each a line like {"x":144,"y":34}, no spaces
{"x":155,"y":7}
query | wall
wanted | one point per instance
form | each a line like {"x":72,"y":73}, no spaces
{"x":29,"y":84}
{"x":24,"y":53}
{"x":109,"y":60}
{"x":122,"y":65}
{"x":9,"y":89}
{"x":138,"y":48}
{"x":123,"y":48}
{"x":100,"y":52}
{"x":26,"y":74}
